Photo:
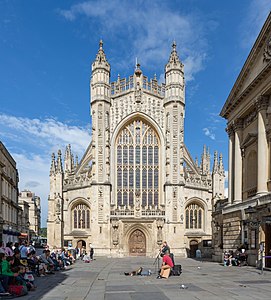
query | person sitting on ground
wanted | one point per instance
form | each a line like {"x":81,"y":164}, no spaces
{"x":23,"y":281}
{"x":8,"y":275}
{"x":4,"y":277}
{"x":166,"y":267}
{"x":45,"y":259}
{"x":2,"y":247}
{"x":17,"y":261}
{"x":8,"y":249}
{"x":226,"y":258}
{"x":65,"y":258}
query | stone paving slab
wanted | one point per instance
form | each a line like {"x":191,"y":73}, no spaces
{"x":104,"y":279}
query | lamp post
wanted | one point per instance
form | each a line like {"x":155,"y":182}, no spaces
{"x":28,"y":230}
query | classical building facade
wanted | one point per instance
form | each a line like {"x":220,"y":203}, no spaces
{"x":136,"y":184}
{"x":34,"y":211}
{"x":246,"y":217}
{"x":10,"y":211}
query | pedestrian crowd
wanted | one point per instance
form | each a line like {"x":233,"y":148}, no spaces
{"x":20,"y":265}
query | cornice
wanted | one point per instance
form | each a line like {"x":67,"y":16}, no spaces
{"x":233,"y":98}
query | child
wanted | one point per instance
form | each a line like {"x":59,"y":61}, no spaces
{"x":28,"y":280}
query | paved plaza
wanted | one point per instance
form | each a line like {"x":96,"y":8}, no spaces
{"x":104,"y":279}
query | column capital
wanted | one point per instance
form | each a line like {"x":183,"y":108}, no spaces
{"x":262,"y":102}
{"x":238,"y":124}
{"x":230,"y":130}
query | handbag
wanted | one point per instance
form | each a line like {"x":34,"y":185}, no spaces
{"x":28,"y":276}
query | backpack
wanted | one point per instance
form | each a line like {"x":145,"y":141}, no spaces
{"x":176,"y":270}
{"x":17,"y":290}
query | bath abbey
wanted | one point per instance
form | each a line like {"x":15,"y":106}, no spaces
{"x":137,"y":184}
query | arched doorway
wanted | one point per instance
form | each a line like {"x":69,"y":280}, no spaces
{"x":193,"y":248}
{"x":81,"y":244}
{"x":137,"y":243}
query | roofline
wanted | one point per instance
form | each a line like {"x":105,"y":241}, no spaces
{"x":255,"y":46}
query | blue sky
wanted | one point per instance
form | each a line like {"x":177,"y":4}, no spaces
{"x":47,"y":47}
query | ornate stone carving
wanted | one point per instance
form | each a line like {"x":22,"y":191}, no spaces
{"x":267,"y":50}
{"x":160,"y":224}
{"x":250,"y":118}
{"x":262,"y":102}
{"x":230,"y":130}
{"x":115,"y":231}
{"x":238,"y":124}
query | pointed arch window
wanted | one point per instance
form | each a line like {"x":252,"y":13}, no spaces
{"x":137,"y":170}
{"x":194,"y":216}
{"x":81,"y":216}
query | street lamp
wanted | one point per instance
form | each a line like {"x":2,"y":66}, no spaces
{"x":28,"y":230}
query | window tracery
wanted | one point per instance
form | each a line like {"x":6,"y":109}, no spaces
{"x":81,"y":216}
{"x":137,"y":150}
{"x":194,"y":216}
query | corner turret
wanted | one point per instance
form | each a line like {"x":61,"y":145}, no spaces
{"x":100,"y":87}
{"x":174,"y":77}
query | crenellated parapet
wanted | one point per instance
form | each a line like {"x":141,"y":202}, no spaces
{"x":125,"y":85}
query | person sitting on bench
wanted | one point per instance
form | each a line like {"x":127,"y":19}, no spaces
{"x":166,"y":266}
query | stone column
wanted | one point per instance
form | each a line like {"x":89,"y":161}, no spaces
{"x":238,"y":126}
{"x":230,"y":132}
{"x":262,"y":175}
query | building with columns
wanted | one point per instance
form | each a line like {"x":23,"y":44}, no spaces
{"x":246,"y":217}
{"x":136,"y":184}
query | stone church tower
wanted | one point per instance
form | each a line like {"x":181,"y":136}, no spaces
{"x":136,"y":184}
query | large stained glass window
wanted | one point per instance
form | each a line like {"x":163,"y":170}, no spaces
{"x":193,"y":216}
{"x":137,"y":170}
{"x":81,"y":217}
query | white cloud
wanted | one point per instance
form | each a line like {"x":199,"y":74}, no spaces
{"x":150,"y":27}
{"x":209,"y":133}
{"x":38,"y":138}
{"x":48,"y":133}
{"x":34,"y":176}
{"x":257,"y":12}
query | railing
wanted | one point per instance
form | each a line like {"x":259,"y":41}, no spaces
{"x":123,"y":85}
{"x":130,"y":212}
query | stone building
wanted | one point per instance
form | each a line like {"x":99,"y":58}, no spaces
{"x":34,"y":211}
{"x":136,"y":184}
{"x":246,"y":217}
{"x":10,"y":211}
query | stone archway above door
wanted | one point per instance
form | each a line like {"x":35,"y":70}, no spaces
{"x":137,"y":243}
{"x":193,"y":248}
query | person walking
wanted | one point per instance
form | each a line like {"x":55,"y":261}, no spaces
{"x":91,"y":253}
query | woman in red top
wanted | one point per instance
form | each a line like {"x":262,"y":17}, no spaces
{"x":166,"y":266}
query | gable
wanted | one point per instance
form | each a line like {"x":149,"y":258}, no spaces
{"x":256,"y":67}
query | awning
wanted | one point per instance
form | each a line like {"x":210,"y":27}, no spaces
{"x":23,"y":235}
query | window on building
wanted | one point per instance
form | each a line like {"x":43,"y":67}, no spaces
{"x":251,"y":173}
{"x":137,"y":150}
{"x":194,"y":216}
{"x":81,"y":216}
{"x":207,"y":243}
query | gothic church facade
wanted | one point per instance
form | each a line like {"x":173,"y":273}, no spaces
{"x":136,"y":184}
